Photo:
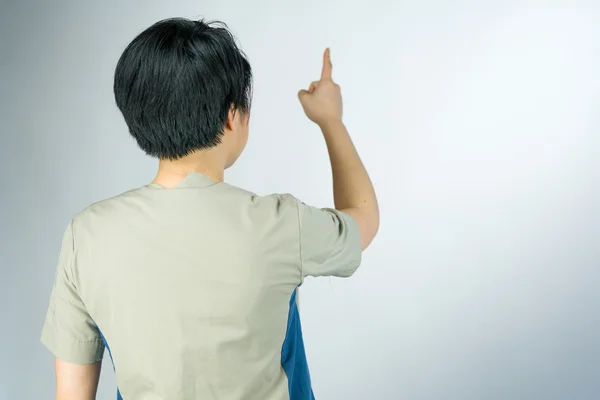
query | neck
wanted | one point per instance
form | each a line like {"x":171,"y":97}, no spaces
{"x":206,"y":162}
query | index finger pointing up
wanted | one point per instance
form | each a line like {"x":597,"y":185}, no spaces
{"x":327,"y":67}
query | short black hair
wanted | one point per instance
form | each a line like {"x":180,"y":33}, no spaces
{"x":176,"y":82}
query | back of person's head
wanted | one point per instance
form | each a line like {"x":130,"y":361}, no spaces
{"x":176,"y":83}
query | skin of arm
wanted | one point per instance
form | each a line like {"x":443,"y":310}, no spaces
{"x":353,"y":191}
{"x":76,"y":381}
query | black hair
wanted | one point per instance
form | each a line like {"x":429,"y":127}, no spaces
{"x":176,"y":83}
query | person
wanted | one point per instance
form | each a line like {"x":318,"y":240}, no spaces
{"x":190,"y":283}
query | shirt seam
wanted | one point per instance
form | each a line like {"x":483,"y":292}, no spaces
{"x":300,"y":243}
{"x":72,"y":255}
{"x":99,"y":339}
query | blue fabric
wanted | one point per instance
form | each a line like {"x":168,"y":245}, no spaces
{"x":293,"y":357}
{"x":111,"y":359}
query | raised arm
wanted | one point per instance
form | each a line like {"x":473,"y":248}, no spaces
{"x":352,"y":188}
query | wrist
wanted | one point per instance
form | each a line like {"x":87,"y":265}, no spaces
{"x":330,"y":124}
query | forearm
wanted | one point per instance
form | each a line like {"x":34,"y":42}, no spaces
{"x":353,"y":191}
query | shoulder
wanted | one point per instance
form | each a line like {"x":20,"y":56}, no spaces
{"x":266,"y":213}
{"x":275,"y":202}
{"x":279,"y":205}
{"x":109,"y":207}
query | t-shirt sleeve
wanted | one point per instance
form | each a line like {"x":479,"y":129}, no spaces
{"x":69,"y":332}
{"x":329,"y":242}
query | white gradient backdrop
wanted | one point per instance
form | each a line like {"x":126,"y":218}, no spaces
{"x":478,"y":121}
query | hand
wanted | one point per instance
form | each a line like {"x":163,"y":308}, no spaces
{"x":322,"y":102}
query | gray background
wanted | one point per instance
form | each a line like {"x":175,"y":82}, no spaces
{"x":478,"y":121}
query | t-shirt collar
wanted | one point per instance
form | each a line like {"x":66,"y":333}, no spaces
{"x":192,"y":180}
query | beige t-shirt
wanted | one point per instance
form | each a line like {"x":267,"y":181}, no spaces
{"x":193,"y":289}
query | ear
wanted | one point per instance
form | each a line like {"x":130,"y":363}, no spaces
{"x":230,"y":123}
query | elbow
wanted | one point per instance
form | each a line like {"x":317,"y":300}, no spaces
{"x":375,"y":222}
{"x":367,"y":220}
{"x":371,"y":229}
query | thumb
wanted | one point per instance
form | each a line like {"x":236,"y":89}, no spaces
{"x":302,"y":94}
